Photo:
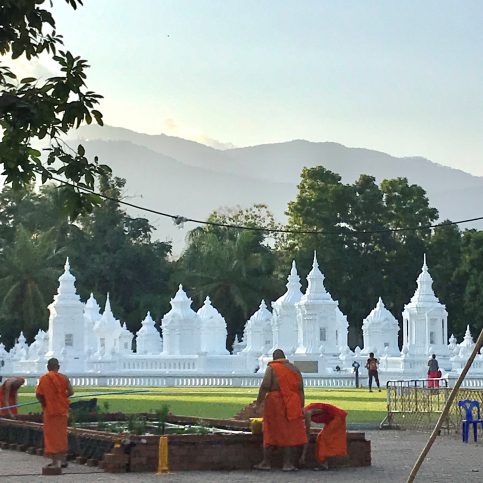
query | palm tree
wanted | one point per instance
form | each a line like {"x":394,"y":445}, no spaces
{"x":234,"y":268}
{"x":29,"y":268}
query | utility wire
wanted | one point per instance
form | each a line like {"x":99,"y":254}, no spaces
{"x":179,"y":220}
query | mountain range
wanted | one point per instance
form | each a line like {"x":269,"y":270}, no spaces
{"x":182,"y":177}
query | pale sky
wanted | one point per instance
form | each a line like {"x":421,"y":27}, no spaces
{"x":401,"y":77}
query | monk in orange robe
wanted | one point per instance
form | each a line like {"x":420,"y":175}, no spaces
{"x":53,"y":392}
{"x":8,"y":395}
{"x":282,"y":396}
{"x":332,"y":439}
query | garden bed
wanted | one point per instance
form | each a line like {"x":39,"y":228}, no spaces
{"x":234,"y":449}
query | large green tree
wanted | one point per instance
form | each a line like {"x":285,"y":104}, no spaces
{"x":114,"y":252}
{"x":468,"y":278}
{"x":32,"y":109}
{"x":233,"y":267}
{"x":29,"y":268}
{"x":449,"y":277}
{"x":359,"y":254}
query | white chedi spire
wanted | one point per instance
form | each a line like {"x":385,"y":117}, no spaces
{"x":180,"y":307}
{"x":293,"y":293}
{"x":66,"y":292}
{"x":92,"y":309}
{"x":380,"y":331}
{"x":108,"y":326}
{"x":125,"y":340}
{"x":467,"y":345}
{"x":316,"y":291}
{"x":424,"y":293}
{"x":380,"y":316}
{"x":261,"y":317}
{"x":181,"y":327}
{"x":213,"y":329}
{"x":258,"y":331}
{"x":208,"y":314}
{"x":148,"y":338}
{"x":147,"y":326}
{"x":452,"y":345}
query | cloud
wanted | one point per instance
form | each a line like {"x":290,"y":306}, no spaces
{"x":40,"y":68}
{"x":171,"y":127}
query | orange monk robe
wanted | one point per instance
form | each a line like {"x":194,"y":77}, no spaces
{"x":12,"y":401}
{"x":53,"y":386}
{"x":283,"y":419}
{"x":332,"y":439}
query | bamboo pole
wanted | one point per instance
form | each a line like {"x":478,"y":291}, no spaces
{"x":446,"y":409}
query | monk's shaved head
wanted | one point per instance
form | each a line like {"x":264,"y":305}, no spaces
{"x":278,"y":354}
{"x":53,"y":364}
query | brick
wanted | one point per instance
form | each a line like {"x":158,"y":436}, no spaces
{"x":51,"y":471}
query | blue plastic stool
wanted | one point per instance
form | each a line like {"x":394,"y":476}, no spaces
{"x":471,"y":409}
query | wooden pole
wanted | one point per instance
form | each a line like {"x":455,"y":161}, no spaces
{"x":446,"y":409}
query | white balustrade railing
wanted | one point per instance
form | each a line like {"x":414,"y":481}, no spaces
{"x":134,"y":379}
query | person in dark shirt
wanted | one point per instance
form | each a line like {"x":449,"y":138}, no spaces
{"x":371,"y":365}
{"x":433,"y":372}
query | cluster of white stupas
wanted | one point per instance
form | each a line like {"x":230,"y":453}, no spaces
{"x":309,"y":327}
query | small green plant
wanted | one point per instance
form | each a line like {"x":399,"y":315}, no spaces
{"x":162,"y":415}
{"x":136,"y":424}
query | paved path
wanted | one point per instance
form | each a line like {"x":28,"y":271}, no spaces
{"x":393,"y":454}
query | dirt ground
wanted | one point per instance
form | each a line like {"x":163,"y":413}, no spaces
{"x":393,"y":455}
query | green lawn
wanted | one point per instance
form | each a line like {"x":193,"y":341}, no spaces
{"x":363,"y":407}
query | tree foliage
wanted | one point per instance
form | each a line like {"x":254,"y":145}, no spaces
{"x":361,"y":258}
{"x":32,"y":109}
{"x":109,"y":252}
{"x":233,"y":267}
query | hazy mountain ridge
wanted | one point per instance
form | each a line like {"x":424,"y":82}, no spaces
{"x":183,"y":177}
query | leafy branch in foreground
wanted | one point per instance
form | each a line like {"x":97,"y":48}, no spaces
{"x":34,"y":109}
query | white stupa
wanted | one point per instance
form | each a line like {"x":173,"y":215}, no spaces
{"x":380,"y":332}
{"x":181,"y":327}
{"x":66,"y":324}
{"x":213,"y":330}
{"x":92,"y":313}
{"x":425,"y":320}
{"x":317,"y":317}
{"x":148,"y":338}
{"x":107,"y":329}
{"x":284,"y":322}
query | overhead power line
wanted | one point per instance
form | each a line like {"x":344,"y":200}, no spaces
{"x":179,"y":219}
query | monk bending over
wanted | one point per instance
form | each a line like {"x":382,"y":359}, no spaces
{"x":8,"y":395}
{"x":332,"y":439}
{"x":282,"y":396}
{"x":53,"y":393}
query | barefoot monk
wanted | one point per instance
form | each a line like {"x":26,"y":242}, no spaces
{"x":332,"y":439}
{"x":53,"y":393}
{"x":282,"y":396}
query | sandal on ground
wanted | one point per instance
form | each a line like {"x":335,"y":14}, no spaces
{"x":292,"y":468}
{"x":261,"y":468}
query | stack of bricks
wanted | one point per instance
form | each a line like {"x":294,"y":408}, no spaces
{"x":116,"y":461}
{"x":144,"y":456}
